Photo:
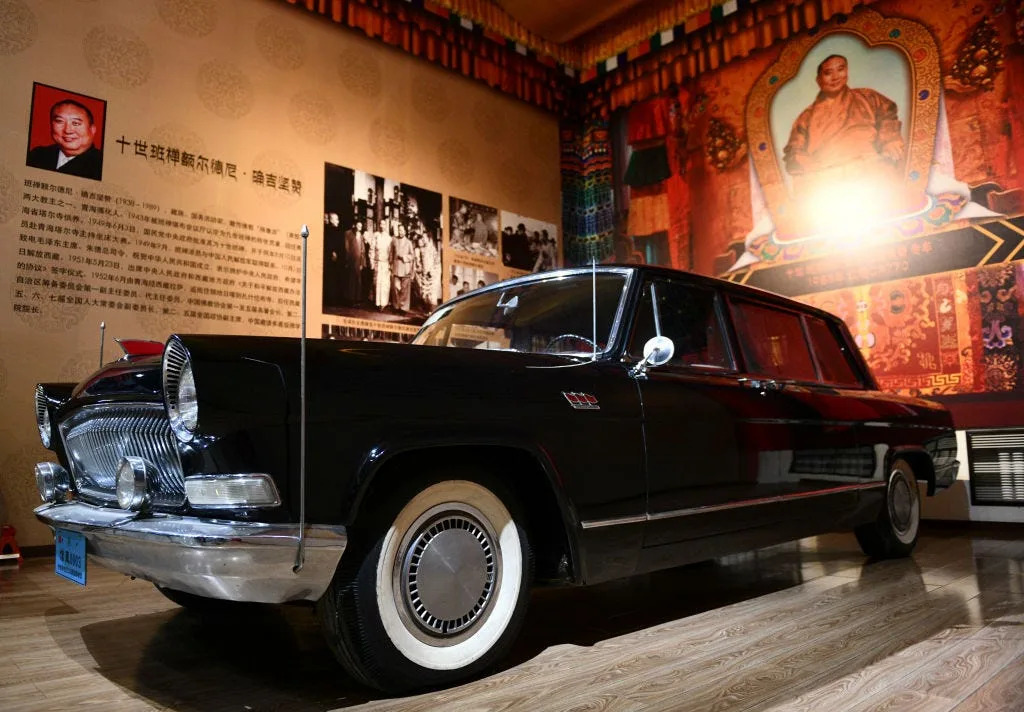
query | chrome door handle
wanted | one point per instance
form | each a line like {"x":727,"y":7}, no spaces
{"x":762,"y":384}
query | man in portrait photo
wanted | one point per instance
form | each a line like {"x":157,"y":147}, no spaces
{"x":843,"y":125}
{"x":848,"y":142}
{"x":74,"y":136}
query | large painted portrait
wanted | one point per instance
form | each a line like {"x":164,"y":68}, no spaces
{"x":848,"y":142}
{"x":842,"y":123}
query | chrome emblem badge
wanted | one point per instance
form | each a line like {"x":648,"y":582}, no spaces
{"x":581,"y":401}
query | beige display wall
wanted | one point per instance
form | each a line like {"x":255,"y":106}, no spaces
{"x":258,"y":89}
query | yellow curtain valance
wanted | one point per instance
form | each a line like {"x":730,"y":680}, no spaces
{"x":639,"y":24}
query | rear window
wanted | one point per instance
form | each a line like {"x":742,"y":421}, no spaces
{"x":773,"y":343}
{"x":832,"y":353}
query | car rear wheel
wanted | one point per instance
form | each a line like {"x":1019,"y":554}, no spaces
{"x":438,"y":593}
{"x":894,"y":533}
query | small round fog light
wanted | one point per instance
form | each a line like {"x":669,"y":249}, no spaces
{"x":132,"y":490}
{"x":52,"y":481}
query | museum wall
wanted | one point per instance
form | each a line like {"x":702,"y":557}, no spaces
{"x":224,"y":126}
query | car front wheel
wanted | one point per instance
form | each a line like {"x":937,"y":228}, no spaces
{"x":894,"y":533}
{"x":438,"y":593}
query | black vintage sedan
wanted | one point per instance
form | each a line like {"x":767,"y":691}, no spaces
{"x":571,"y":426}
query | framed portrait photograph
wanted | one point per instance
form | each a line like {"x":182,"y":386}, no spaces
{"x":65,"y":132}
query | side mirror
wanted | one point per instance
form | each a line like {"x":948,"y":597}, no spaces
{"x":657,"y":352}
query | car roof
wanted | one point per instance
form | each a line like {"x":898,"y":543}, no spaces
{"x":643,"y":271}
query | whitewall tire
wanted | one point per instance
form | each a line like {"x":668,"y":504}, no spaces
{"x":439,"y":594}
{"x":894,"y":533}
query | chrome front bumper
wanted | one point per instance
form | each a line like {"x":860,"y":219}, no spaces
{"x":237,"y":561}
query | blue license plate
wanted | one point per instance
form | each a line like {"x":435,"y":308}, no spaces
{"x":70,"y":555}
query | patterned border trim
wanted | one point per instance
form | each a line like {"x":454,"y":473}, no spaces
{"x":666,"y":37}
{"x":660,"y":39}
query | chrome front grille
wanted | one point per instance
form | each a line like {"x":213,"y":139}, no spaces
{"x":97,"y":437}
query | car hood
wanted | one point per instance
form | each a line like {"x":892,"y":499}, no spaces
{"x":135,"y":376}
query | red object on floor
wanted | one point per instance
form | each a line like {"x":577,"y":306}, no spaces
{"x":9,"y":550}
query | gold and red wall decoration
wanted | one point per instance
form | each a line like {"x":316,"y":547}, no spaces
{"x":895,"y":201}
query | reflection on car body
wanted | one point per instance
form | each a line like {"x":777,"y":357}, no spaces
{"x":572,"y":426}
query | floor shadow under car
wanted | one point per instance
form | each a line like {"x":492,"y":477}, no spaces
{"x":274,"y":657}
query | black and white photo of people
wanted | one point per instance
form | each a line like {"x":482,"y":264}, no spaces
{"x":474,"y":227}
{"x":527,"y":244}
{"x":382,"y":247}
{"x":464,"y":279}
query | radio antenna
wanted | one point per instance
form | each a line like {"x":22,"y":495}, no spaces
{"x":300,"y":552}
{"x":593,"y":293}
{"x":103,"y":329}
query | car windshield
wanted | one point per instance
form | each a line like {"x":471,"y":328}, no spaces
{"x":553,"y":315}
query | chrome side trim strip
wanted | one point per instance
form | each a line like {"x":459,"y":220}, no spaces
{"x":597,"y":523}
{"x":897,"y":424}
{"x":674,"y":514}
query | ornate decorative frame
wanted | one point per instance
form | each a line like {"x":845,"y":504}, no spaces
{"x":911,"y":38}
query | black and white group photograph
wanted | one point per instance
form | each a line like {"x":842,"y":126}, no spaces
{"x":528,"y":244}
{"x":474,"y":228}
{"x":465,"y":278}
{"x":382,"y":247}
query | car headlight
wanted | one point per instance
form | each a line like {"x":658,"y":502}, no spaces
{"x":52,"y":481}
{"x":43,"y":417}
{"x":180,"y":391}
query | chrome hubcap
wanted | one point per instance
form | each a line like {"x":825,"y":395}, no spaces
{"x":448,"y":574}
{"x":901,"y":504}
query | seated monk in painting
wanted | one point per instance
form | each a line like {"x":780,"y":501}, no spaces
{"x":845,"y":155}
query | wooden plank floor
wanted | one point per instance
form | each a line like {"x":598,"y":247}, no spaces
{"x":804,"y":626}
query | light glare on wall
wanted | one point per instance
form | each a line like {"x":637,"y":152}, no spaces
{"x":846,"y":209}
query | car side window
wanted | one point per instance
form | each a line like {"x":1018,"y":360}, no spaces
{"x":773,"y":342}
{"x":689,"y":316}
{"x":833,"y":357}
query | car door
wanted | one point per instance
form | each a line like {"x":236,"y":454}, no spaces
{"x":725,"y":417}
{"x":700,"y":417}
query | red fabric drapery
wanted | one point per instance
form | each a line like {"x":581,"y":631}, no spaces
{"x":434,"y":38}
{"x":537,"y":80}
{"x":751,"y":28}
